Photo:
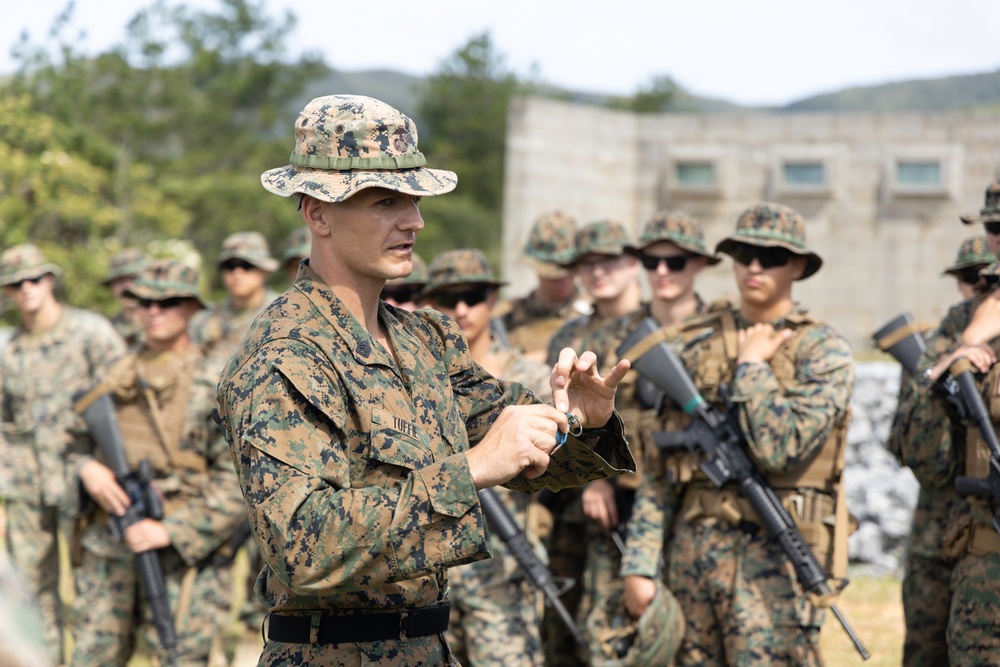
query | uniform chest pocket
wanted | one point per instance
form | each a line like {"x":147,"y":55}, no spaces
{"x":397,"y":441}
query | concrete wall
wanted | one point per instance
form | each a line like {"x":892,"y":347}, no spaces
{"x":884,"y":244}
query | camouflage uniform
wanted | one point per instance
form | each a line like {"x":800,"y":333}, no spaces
{"x":529,"y":325}
{"x":125,"y":264}
{"x":494,"y":608}
{"x":22,"y":642}
{"x":296,"y":249}
{"x":39,"y":374}
{"x":741,"y":600}
{"x":175,"y":392}
{"x":220,"y":328}
{"x":353,"y":465}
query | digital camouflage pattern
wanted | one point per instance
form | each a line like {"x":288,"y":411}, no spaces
{"x":347,"y":143}
{"x":22,"y":642}
{"x":741,"y":608}
{"x":452,"y":268}
{"x":551,"y":244}
{"x":973,"y":252}
{"x":319,"y":416}
{"x":23,"y":262}
{"x":124,"y":264}
{"x":603,"y":237}
{"x":221,"y":328}
{"x":652,"y":640}
{"x":165,"y":279}
{"x":573,"y":333}
{"x":679,"y":228}
{"x":250,"y":247}
{"x":990,"y":212}
{"x":417,"y":277}
{"x":774,"y":226}
{"x":297,"y":246}
{"x":202,"y":508}
{"x":39,"y":375}
{"x":494,"y":608}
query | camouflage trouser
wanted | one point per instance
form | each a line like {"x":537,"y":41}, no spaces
{"x":601,"y":569}
{"x":740,"y":598}
{"x":974,"y":623}
{"x":493,"y":625}
{"x":108,"y":613}
{"x":431,"y":651}
{"x":926,"y":605}
{"x":33,"y":543}
{"x":566,"y":546}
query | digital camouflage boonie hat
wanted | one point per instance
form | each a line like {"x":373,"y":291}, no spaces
{"x":459,"y":267}
{"x":772,"y":225}
{"x":250,"y":247}
{"x":297,"y":246}
{"x":417,"y":277}
{"x":346,"y":143}
{"x":24,"y":262}
{"x":604,"y":237}
{"x":164,"y":279}
{"x":124,"y":264}
{"x":615,"y":639}
{"x":973,"y":252}
{"x":551,"y":245}
{"x":990,"y":212}
{"x":679,"y":228}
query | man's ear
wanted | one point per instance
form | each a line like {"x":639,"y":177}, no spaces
{"x":317,"y":215}
{"x":799,"y":266}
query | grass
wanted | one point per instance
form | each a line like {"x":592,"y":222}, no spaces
{"x":873,"y":608}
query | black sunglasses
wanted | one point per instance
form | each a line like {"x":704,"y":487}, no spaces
{"x":968,"y":275}
{"x":470,"y":297}
{"x":401,"y":294}
{"x":992,"y":228}
{"x":767,"y":257}
{"x":29,"y":281}
{"x":675,"y":263}
{"x":164,"y":304}
{"x":233,"y":264}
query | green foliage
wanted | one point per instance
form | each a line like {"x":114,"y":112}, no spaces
{"x":660,"y":95}
{"x":463,"y":111}
{"x":954,"y":93}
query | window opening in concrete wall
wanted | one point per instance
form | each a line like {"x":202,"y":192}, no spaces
{"x":918,"y":173}
{"x":804,"y":174}
{"x":695,"y":174}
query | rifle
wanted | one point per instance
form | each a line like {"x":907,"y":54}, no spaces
{"x":144,"y":502}
{"x":717,"y":441}
{"x":502,"y":523}
{"x":901,"y":339}
{"x":987,"y":487}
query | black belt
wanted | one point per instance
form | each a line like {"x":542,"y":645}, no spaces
{"x":359,"y":627}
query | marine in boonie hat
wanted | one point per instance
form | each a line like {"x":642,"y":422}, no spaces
{"x":164,"y":279}
{"x":973,"y":252}
{"x":347,"y":143}
{"x":551,"y":245}
{"x":126,"y":263}
{"x":772,"y":225}
{"x":603,"y":237}
{"x":250,"y":247}
{"x":679,"y":228}
{"x":465,"y":267}
{"x":990,"y":212}
{"x":297,"y":246}
{"x":24,"y":262}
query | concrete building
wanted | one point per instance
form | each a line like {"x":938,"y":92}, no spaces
{"x":881,"y":193}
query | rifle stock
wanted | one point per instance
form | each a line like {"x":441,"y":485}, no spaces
{"x":144,"y":502}
{"x":503,"y":524}
{"x":718,"y":444}
{"x":986,"y":487}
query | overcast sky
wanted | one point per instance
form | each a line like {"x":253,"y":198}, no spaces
{"x":766,"y":52}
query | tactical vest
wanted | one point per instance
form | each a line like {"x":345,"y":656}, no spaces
{"x":812,"y":494}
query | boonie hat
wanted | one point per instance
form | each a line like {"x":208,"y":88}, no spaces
{"x":126,"y":263}
{"x":297,"y":246}
{"x":346,"y":143}
{"x":551,"y":244}
{"x":166,"y":278}
{"x":772,"y":225}
{"x":24,"y":262}
{"x":604,"y":237}
{"x":973,"y":252}
{"x":615,"y":639}
{"x":459,"y":267}
{"x":417,"y":277}
{"x":250,"y":247}
{"x":679,"y":228}
{"x":990,"y":212}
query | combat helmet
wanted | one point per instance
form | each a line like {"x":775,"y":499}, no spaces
{"x":615,"y":639}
